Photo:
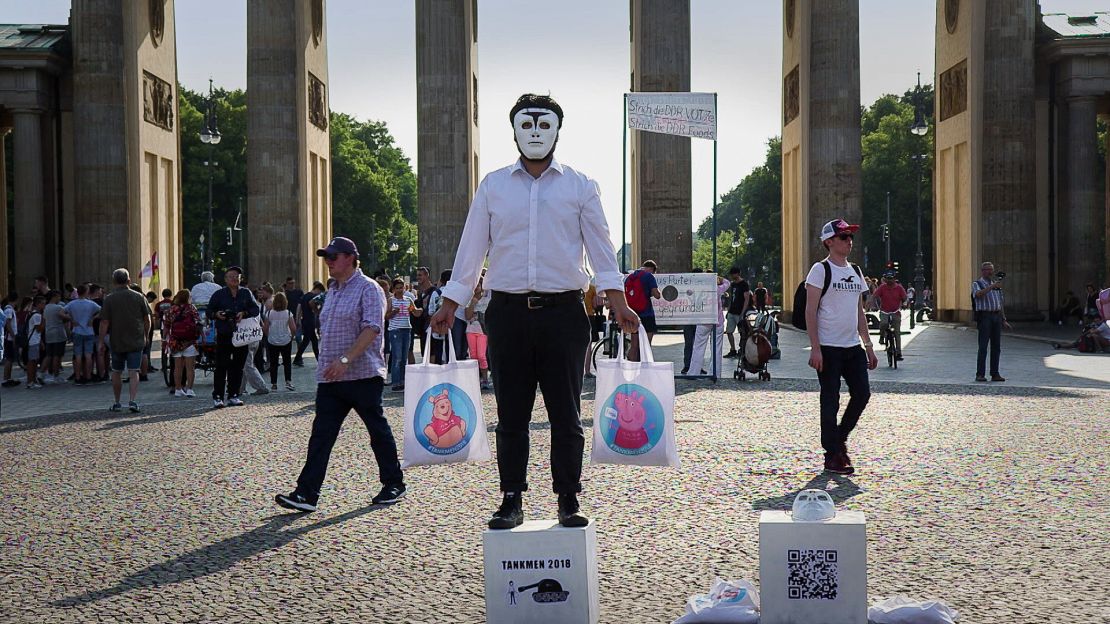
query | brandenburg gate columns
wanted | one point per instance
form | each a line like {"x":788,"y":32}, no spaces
{"x":985,"y":182}
{"x":30,"y":221}
{"x":447,"y":125}
{"x":661,"y":222}
{"x":821,"y":152}
{"x":289,"y":155}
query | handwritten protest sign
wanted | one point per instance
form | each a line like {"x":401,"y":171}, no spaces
{"x":683,"y":114}
{"x":688,"y":299}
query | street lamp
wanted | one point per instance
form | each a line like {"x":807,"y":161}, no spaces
{"x":210,"y":136}
{"x":919,"y":128}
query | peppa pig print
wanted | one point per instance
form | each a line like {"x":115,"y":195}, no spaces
{"x":632,"y":420}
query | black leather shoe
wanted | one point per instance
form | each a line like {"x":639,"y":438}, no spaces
{"x":569,"y":513}
{"x":511,"y":514}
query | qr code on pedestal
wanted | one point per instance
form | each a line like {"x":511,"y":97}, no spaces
{"x":811,"y":575}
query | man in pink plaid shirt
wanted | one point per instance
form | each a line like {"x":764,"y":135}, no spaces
{"x":350,"y":374}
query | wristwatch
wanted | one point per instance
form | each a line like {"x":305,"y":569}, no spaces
{"x":344,"y":360}
{"x":867,"y":345}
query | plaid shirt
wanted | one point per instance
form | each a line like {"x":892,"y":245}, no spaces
{"x":348,"y":309}
{"x":990,"y":302}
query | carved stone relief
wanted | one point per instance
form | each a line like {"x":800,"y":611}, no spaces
{"x":317,"y":102}
{"x":953,"y":90}
{"x":157,"y":21}
{"x":157,"y":101}
{"x":951,"y":15}
{"x":317,"y":21}
{"x":790,"y":95}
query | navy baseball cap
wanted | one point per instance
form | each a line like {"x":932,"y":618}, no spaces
{"x":339,"y":244}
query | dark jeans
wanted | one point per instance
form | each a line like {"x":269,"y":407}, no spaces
{"x":284,"y":351}
{"x":688,"y":332}
{"x":308,"y":334}
{"x":229,"y":367}
{"x":458,"y":337}
{"x":333,"y":402}
{"x":851,"y":364}
{"x":544,"y":347}
{"x":990,"y":330}
{"x":400,"y":341}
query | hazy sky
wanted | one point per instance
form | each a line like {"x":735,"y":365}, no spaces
{"x":578,"y":52}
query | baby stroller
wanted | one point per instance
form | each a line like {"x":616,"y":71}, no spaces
{"x":757,"y":346}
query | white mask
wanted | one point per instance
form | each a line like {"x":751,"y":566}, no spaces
{"x":537,"y":130}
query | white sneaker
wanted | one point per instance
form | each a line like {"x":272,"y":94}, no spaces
{"x":49,"y":379}
{"x":189,"y":393}
{"x":180,"y":393}
{"x":33,"y":386}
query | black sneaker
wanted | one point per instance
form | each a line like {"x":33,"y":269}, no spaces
{"x":569,"y":513}
{"x":116,"y":407}
{"x":510,"y":514}
{"x":298,"y":363}
{"x":11,"y":383}
{"x":133,"y":407}
{"x":295,"y":501}
{"x":731,"y":353}
{"x":390,"y":494}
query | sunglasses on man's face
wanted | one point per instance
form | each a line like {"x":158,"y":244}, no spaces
{"x":845,"y":237}
{"x":332,"y":257}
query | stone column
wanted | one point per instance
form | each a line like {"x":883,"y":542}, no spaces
{"x":1008,"y":184}
{"x":30,"y":245}
{"x":5,"y":277}
{"x":1081,"y":220}
{"x":447,"y":125}
{"x":661,"y":222}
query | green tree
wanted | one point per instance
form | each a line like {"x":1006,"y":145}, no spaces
{"x":893,"y":157}
{"x":373,"y":193}
{"x":752,"y":209}
{"x":228,"y":171}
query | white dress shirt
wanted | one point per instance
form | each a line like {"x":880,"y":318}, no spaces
{"x":537,"y":233}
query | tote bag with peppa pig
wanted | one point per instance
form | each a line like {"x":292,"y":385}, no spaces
{"x":443,"y":412}
{"x":634,"y":410}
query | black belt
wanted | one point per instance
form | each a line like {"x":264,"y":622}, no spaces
{"x":537,"y":300}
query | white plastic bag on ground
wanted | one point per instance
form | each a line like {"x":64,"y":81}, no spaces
{"x":443,"y":412}
{"x":903,"y":610}
{"x":728,"y":602}
{"x":634,"y":410}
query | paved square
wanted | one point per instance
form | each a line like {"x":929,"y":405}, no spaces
{"x":990,"y":497}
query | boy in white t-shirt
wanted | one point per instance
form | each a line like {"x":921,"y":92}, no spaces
{"x":836,"y":325}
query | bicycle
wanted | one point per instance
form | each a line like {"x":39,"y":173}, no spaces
{"x":889,"y":338}
{"x":608,"y":344}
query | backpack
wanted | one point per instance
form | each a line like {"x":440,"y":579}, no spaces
{"x":798,"y":315}
{"x":184,"y":328}
{"x":634,"y":292}
{"x":1086,"y":344}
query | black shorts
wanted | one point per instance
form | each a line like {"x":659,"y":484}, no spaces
{"x":649,"y":324}
{"x":55,"y":349}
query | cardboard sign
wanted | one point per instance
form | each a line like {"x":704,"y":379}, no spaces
{"x":681,"y":113}
{"x":541,"y":573}
{"x":687,"y":299}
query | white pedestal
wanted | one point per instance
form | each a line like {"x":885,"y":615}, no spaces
{"x":541,"y":573}
{"x":812,"y":572}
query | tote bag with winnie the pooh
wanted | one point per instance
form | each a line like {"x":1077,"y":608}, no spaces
{"x":444,"y":422}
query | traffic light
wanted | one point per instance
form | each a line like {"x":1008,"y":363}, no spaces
{"x":885,"y":232}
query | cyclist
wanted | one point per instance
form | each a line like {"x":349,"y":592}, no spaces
{"x":891,"y":296}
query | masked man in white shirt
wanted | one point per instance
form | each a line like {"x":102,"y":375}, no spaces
{"x":536,"y":220}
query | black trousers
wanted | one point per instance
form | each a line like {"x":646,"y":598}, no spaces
{"x":333,"y":402}
{"x":544,"y":347}
{"x":990,"y":331}
{"x":274,"y":351}
{"x":688,"y":332}
{"x":308,"y":335}
{"x":229,"y":367}
{"x":851,"y":364}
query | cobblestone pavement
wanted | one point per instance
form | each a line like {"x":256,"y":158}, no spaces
{"x":991,"y":497}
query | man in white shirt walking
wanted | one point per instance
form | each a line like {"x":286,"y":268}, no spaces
{"x":536,"y":220}
{"x":836,"y":325}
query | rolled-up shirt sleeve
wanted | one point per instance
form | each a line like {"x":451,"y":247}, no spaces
{"x":372,"y":305}
{"x":595,"y":237}
{"x":473,"y":248}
